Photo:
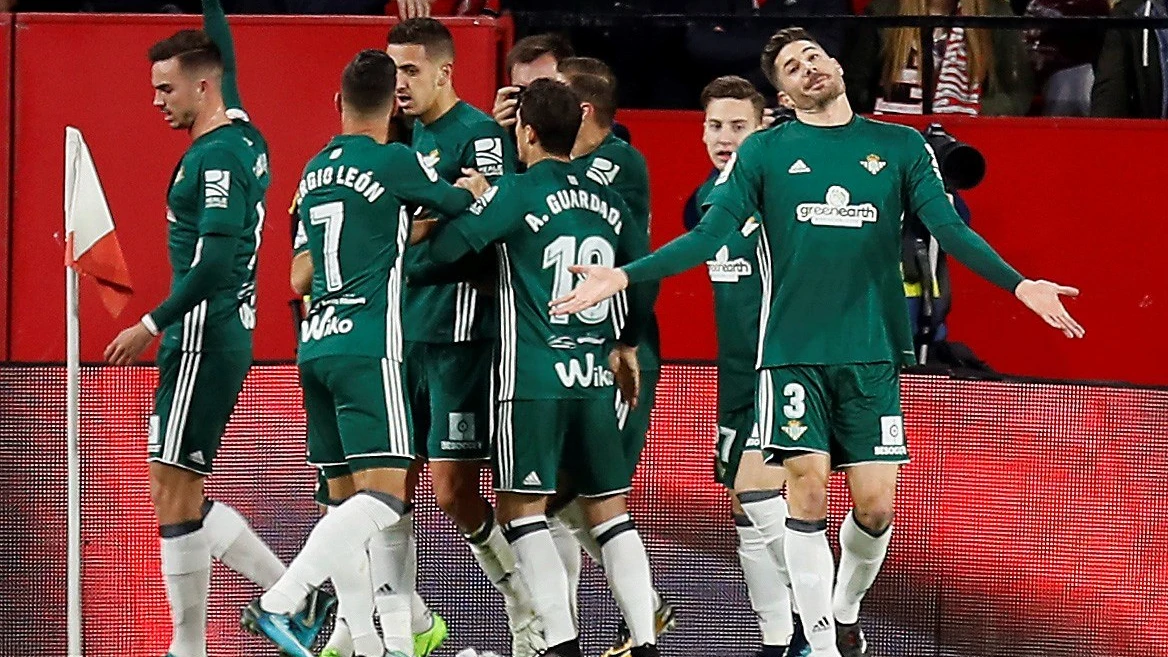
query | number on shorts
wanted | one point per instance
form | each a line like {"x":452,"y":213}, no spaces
{"x":332,"y":215}
{"x":796,"y":398}
{"x":725,"y":443}
{"x":561,"y":254}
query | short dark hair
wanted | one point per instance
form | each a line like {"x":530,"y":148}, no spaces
{"x":589,"y":65}
{"x":598,"y":91}
{"x":193,"y":48}
{"x":368,"y":81}
{"x":780,"y":40}
{"x":530,"y":48}
{"x":738,"y":88}
{"x":429,"y":33}
{"x":553,"y":110}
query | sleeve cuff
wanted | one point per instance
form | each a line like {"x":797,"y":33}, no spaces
{"x":150,"y":325}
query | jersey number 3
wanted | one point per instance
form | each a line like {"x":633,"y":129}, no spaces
{"x":563,"y":253}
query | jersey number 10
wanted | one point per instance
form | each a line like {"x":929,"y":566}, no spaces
{"x":563,"y":253}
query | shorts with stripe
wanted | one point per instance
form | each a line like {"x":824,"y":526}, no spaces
{"x":196,"y":394}
{"x":448,"y":386}
{"x":358,"y":416}
{"x":850,"y":412}
{"x":634,"y":422}
{"x":737,"y":433}
{"x":538,"y":440}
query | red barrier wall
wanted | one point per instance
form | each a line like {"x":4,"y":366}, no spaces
{"x":288,"y":74}
{"x":5,"y":177}
{"x":1072,"y":200}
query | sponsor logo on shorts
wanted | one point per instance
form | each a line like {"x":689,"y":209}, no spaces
{"x":197,"y":457}
{"x":587,"y":374}
{"x":795,"y":429}
{"x":837,"y":211}
{"x":891,"y":437}
{"x":724,"y":270}
{"x":324,"y":324}
{"x":489,"y":156}
{"x":755,"y":439}
{"x":532,"y":479}
{"x":216,"y":189}
{"x":460,"y":434}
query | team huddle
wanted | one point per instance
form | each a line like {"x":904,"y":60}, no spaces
{"x":461,"y":314}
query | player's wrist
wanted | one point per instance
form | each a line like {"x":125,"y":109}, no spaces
{"x":150,"y":325}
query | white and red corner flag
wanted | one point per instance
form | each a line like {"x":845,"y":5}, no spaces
{"x":91,"y":245}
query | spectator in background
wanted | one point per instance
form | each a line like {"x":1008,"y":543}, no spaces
{"x":974,"y":71}
{"x":422,"y":8}
{"x":1062,"y":57}
{"x":1129,"y":75}
{"x":732,"y":48}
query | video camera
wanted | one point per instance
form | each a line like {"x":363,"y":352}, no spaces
{"x":962,"y":166}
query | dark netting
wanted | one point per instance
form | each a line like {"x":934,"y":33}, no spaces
{"x":1029,"y":523}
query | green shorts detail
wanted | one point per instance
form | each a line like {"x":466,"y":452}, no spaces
{"x":536,"y":439}
{"x":634,"y":422}
{"x":358,"y":417}
{"x":850,"y":412}
{"x":449,"y":391}
{"x":737,"y":433}
{"x":196,"y":394}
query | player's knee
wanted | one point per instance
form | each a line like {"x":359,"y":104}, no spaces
{"x":173,"y":502}
{"x":874,"y":513}
{"x":807,"y":496}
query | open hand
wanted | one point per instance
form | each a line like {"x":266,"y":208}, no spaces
{"x":129,"y":345}
{"x":473,"y":182}
{"x":1043,"y":297}
{"x":600,"y":283}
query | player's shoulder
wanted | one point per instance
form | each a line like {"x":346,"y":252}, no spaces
{"x":474,"y":119}
{"x":620,"y":152}
{"x":893,"y":132}
{"x":229,"y":147}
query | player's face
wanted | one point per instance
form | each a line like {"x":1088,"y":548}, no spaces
{"x":419,"y":79}
{"x":729,"y":121}
{"x":807,"y":78}
{"x":543,"y":66}
{"x":177,"y":93}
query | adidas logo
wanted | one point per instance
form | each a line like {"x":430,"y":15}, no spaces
{"x":799,"y":167}
{"x":821,"y":625}
{"x":532,"y":479}
{"x":197,"y":457}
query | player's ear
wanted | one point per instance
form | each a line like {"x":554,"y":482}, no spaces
{"x":337,"y":101}
{"x":445,"y":72}
{"x":587,"y":110}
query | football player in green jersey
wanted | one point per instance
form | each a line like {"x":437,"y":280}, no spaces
{"x":353,"y":198}
{"x":831,"y":188}
{"x":733,"y":111}
{"x":215,"y":217}
{"x":448,"y":342}
{"x":429,"y":629}
{"x":554,"y":399}
{"x":608,"y":160}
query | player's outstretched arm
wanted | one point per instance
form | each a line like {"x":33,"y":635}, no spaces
{"x":689,"y":250}
{"x":215,"y":24}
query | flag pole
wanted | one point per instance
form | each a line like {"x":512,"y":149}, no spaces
{"x":73,"y":458}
